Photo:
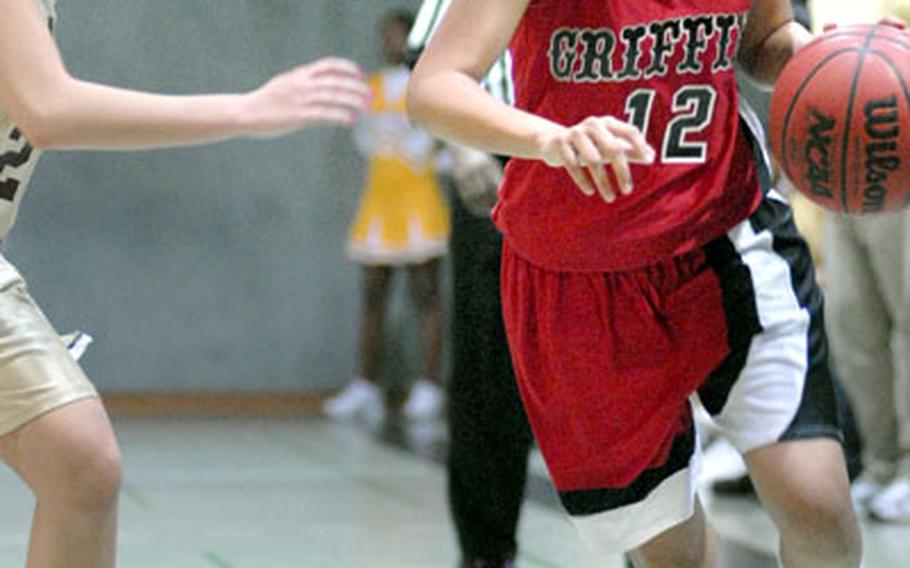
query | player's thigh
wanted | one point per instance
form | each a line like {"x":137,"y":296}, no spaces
{"x":48,"y":407}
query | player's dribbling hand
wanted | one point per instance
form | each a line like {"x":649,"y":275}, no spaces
{"x":587,"y":148}
{"x":894,"y":22}
{"x":327,"y":91}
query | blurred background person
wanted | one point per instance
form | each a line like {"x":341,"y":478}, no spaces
{"x":402,"y":222}
{"x":489,"y":435}
{"x":867,"y":267}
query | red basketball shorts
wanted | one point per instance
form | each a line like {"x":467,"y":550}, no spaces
{"x":607,"y":362}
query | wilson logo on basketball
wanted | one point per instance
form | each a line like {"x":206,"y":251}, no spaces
{"x":817,"y":154}
{"x":883,"y":130}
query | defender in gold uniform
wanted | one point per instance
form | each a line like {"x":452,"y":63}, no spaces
{"x":54,"y":432}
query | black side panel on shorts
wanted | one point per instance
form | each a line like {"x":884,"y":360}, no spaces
{"x":738,"y":296}
{"x":817,"y":412}
{"x":820,"y":417}
{"x":592,"y":501}
{"x":742,"y":321}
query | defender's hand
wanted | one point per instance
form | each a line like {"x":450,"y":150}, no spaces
{"x":586,"y":148}
{"x":328,"y":91}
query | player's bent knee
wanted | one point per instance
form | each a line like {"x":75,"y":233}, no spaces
{"x":101,"y":483}
{"x":93,"y":476}
{"x":683,"y":546}
{"x":693,"y":557}
{"x":825,"y":524}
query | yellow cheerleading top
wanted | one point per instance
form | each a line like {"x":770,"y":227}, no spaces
{"x":402,"y":218}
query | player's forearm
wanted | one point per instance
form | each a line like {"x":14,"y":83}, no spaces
{"x":765,"y":63}
{"x":454,"y":107}
{"x":81,"y":115}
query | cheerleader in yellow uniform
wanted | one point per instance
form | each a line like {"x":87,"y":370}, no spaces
{"x":402,"y":221}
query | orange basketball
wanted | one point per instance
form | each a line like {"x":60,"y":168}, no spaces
{"x":840,"y":119}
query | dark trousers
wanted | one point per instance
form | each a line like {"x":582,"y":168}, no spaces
{"x":488,"y":430}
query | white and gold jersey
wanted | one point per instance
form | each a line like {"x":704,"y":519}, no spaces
{"x":17,"y":157}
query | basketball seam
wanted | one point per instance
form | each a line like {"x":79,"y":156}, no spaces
{"x":889,"y":38}
{"x":802,"y":87}
{"x":845,"y":149}
{"x":897,"y":72}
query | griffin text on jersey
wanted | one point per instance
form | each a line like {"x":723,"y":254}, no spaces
{"x":646,"y":50}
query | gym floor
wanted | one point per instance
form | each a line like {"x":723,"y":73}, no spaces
{"x":308,"y":493}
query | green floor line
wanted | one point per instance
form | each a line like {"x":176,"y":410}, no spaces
{"x":217,"y":560}
{"x":137,"y":498}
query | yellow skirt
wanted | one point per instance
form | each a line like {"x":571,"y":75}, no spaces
{"x":403,"y":218}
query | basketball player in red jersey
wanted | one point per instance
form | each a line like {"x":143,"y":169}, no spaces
{"x":54,"y":431}
{"x":647,"y":259}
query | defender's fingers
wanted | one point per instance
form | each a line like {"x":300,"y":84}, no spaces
{"x":338,"y":65}
{"x":324,"y":114}
{"x":333,"y":99}
{"x":336,"y":83}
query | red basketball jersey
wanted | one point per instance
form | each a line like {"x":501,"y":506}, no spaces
{"x":665,"y":66}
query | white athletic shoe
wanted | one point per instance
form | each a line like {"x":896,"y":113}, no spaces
{"x":865,"y":488}
{"x":892,"y":505}
{"x":424,"y":401}
{"x":360,"y":397}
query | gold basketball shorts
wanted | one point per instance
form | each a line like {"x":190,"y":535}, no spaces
{"x":37,"y":373}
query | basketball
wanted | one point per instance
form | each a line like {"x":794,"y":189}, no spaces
{"x":840,"y":119}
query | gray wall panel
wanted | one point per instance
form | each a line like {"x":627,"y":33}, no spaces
{"x":217,"y":268}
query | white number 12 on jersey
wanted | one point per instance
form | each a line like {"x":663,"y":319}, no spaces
{"x":693,"y":109}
